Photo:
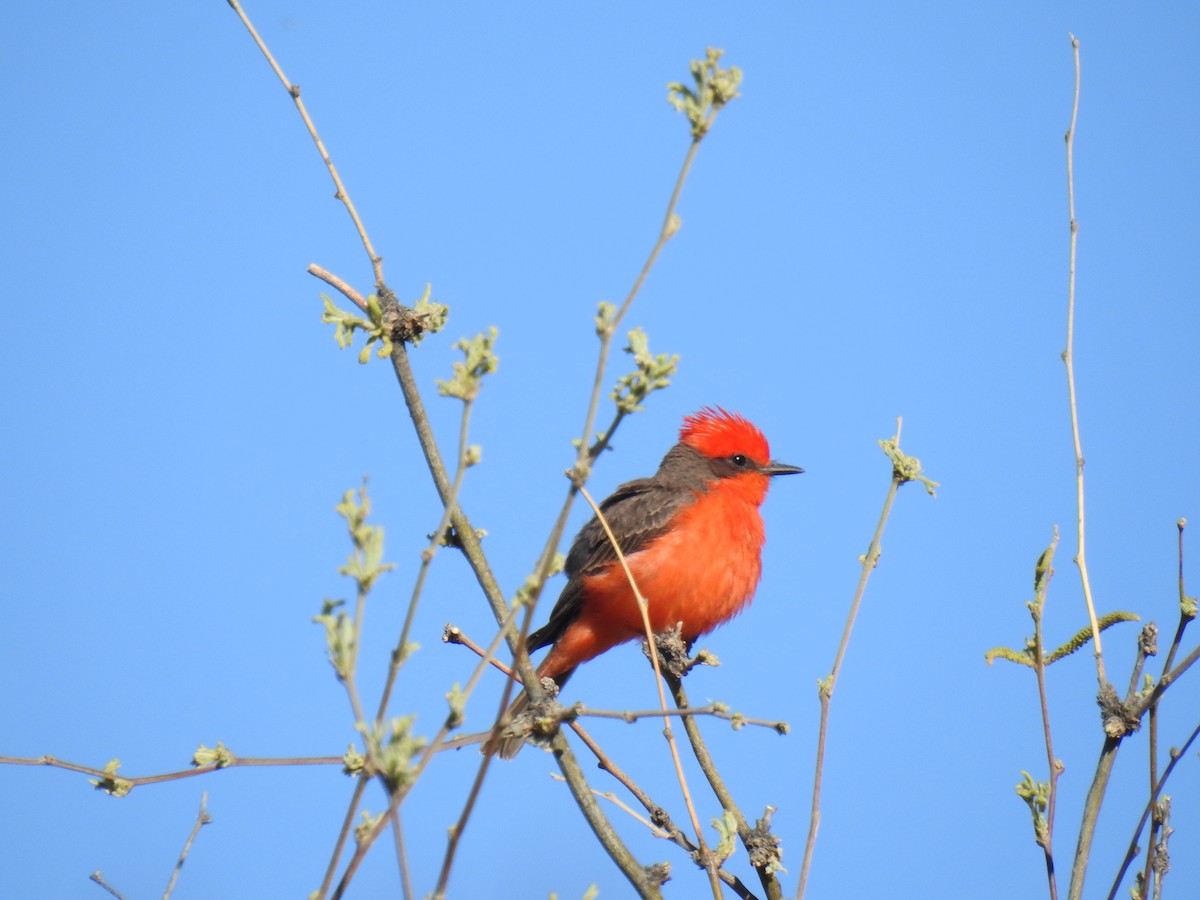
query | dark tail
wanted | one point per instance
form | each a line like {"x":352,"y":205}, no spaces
{"x":506,"y":746}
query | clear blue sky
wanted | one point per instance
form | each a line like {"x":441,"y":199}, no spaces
{"x":876,"y":228}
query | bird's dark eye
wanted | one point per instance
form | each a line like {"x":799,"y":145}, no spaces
{"x":739,"y":460}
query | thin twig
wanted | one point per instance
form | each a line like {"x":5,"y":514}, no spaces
{"x":235,"y":761}
{"x":716,"y":710}
{"x":456,"y":832}
{"x":346,"y":290}
{"x":658,"y":816}
{"x":1131,"y":853}
{"x":349,"y":679}
{"x":1152,"y":838}
{"x":612,"y":798}
{"x":452,"y":634}
{"x":666,"y":231}
{"x":644,"y":608}
{"x":646,"y":881}
{"x":455,"y":635}
{"x":294,"y":92}
{"x":869,"y":561}
{"x":1168,"y":679}
{"x":1042,"y":584}
{"x":99,"y":879}
{"x":1068,"y":356}
{"x":1186,"y":605}
{"x":1185,"y":617}
{"x":1147,"y":646}
{"x":398,"y":795}
{"x":401,"y":651}
{"x":1111,"y":745}
{"x":1095,"y":795}
{"x":590,"y":451}
{"x":340,"y":844}
{"x":402,"y":855}
{"x":724,"y":796}
{"x":457,"y":829}
{"x":202,"y":819}
{"x":469,"y":539}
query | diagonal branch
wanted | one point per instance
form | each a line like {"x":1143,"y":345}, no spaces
{"x":294,"y":92}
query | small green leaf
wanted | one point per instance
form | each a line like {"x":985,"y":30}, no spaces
{"x":726,"y":827}
{"x":606,"y":314}
{"x":219,"y":756}
{"x":526,"y":591}
{"x":825,"y":687}
{"x":364,"y":828}
{"x":1036,"y":795}
{"x":383,"y":324}
{"x":714,"y":87}
{"x":353,"y":762}
{"x":907,"y":468}
{"x":1187,"y":608}
{"x":111,"y":784}
{"x":431,"y":315}
{"x":458,"y":702}
{"x":340,"y":640}
{"x":652,"y":373}
{"x":394,"y":746}
{"x":479,"y":360}
{"x":365,"y":563}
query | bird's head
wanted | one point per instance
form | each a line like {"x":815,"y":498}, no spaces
{"x":732,"y":445}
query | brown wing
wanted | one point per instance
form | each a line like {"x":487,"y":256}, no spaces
{"x":638,"y":512}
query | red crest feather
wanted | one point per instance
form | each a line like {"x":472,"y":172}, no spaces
{"x":715,"y":432}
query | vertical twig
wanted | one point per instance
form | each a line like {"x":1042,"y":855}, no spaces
{"x":1186,"y":614}
{"x":1068,"y":356}
{"x":904,"y":469}
{"x":1111,"y":745}
{"x":1155,"y":820}
{"x":1045,"y":571}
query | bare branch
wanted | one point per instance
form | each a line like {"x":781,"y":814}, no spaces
{"x":202,"y":819}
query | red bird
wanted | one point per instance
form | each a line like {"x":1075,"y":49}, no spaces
{"x":692,"y":536}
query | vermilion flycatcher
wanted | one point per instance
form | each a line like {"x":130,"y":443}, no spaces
{"x":692,"y":536}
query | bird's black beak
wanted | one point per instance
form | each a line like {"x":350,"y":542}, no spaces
{"x":778,"y":468}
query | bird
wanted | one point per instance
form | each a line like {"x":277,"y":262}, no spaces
{"x":692,"y":537}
